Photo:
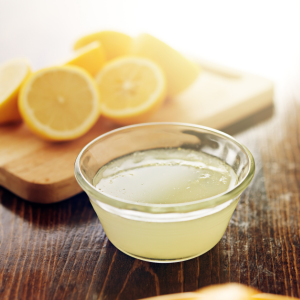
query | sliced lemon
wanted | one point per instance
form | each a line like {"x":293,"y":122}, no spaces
{"x":180,"y":296}
{"x":227,"y":291}
{"x":59,"y":103}
{"x":12,"y":74}
{"x":180,"y":71}
{"x":131,"y":89}
{"x":270,"y":297}
{"x":90,"y":57}
{"x":115,"y":43}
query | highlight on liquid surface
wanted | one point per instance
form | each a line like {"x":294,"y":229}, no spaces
{"x":165,"y":176}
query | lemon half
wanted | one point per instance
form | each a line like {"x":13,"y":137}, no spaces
{"x":180,"y":71}
{"x":12,"y":74}
{"x":115,"y":43}
{"x":90,"y":57}
{"x":60,"y":103}
{"x":131,"y":89}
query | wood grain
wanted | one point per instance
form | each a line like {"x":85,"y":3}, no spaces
{"x":59,"y":251}
{"x":43,"y":172}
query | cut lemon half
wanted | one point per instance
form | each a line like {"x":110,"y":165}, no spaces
{"x":115,"y":43}
{"x":178,"y":296}
{"x":270,"y":297}
{"x":59,"y":103}
{"x":131,"y":89}
{"x":12,"y":74}
{"x":227,"y":291}
{"x":180,"y":71}
{"x":90,"y":57}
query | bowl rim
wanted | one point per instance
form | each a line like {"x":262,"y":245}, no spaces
{"x":195,"y":205}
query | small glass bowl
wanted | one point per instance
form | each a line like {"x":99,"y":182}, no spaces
{"x":164,"y":232}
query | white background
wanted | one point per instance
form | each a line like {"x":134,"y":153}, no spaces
{"x":262,"y":36}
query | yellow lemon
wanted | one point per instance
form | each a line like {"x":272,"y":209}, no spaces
{"x":12,"y":75}
{"x":179,"y":296}
{"x":131,"y":89}
{"x":270,"y":297}
{"x":180,"y":71}
{"x":60,"y":103}
{"x":90,"y":57}
{"x":227,"y":291}
{"x":115,"y":43}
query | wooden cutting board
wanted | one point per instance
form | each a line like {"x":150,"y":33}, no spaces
{"x":43,"y":172}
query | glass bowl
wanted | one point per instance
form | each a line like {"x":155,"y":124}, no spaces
{"x":164,"y":232}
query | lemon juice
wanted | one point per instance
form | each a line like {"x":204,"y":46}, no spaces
{"x":164,"y":177}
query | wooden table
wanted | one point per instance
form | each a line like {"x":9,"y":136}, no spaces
{"x":60,"y":251}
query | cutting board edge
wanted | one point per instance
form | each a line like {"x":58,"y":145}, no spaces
{"x":45,"y":193}
{"x":262,"y":101}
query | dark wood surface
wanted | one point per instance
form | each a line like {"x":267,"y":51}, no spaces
{"x":60,"y":251}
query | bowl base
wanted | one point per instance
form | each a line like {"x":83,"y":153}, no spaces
{"x":161,"y":261}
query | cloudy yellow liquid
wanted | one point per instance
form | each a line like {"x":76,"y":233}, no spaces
{"x":165,"y":176}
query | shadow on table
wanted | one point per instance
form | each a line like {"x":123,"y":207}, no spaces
{"x":250,"y":121}
{"x":75,"y":210}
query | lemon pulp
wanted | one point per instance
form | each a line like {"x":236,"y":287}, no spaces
{"x":131,"y":88}
{"x":59,"y":103}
